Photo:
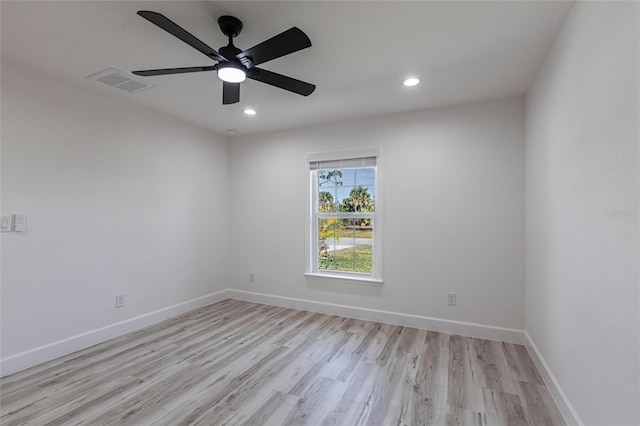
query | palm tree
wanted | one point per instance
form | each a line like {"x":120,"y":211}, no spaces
{"x":359,"y":200}
{"x":325,"y":202}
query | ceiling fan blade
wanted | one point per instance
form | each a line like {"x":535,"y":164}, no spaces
{"x":230,"y":93}
{"x":149,"y":73}
{"x":290,"y":41}
{"x":179,"y":32}
{"x":281,"y":81}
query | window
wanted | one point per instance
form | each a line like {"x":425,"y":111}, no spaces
{"x":344,"y":228}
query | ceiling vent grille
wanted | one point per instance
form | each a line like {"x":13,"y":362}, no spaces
{"x":114,"y":78}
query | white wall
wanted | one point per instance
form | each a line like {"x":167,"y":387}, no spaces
{"x":453,"y":182}
{"x":582,"y":274}
{"x":119,"y":199}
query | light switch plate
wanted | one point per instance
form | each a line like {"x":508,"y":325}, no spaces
{"x":5,"y":224}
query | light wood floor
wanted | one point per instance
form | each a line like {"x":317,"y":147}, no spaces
{"x":235,"y":362}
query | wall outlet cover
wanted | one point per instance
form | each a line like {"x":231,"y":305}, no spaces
{"x":451,"y":299}
{"x":119,"y":300}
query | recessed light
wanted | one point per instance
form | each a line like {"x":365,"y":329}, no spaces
{"x":250,"y":111}
{"x":411,"y":82}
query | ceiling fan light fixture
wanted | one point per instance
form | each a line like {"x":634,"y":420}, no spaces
{"x":409,"y":82}
{"x":231,"y":72}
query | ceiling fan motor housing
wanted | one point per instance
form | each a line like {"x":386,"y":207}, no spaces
{"x":229,"y":52}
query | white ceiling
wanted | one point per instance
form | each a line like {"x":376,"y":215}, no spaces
{"x":462,"y":51}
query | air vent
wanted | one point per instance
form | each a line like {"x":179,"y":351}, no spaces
{"x":114,"y":78}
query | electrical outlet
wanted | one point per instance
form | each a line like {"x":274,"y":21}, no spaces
{"x":252,"y":277}
{"x":451,"y":299}
{"x":119,"y":300}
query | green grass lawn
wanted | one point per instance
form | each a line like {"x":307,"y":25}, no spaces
{"x":348,"y":233}
{"x":343,"y":260}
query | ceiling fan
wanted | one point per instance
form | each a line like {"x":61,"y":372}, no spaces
{"x":234,"y":65}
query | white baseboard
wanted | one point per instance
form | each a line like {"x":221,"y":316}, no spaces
{"x":48,"y":352}
{"x":569,"y":413}
{"x":488,"y":332}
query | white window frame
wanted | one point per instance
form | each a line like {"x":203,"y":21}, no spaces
{"x":311,"y":252}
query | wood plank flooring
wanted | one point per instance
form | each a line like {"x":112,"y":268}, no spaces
{"x":240,"y":363}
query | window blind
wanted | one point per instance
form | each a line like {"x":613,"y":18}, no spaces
{"x":350,"y":163}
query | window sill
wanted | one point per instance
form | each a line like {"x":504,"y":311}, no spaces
{"x":355,"y":279}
